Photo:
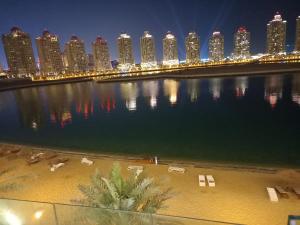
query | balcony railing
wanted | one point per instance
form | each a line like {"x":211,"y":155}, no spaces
{"x":19,"y":212}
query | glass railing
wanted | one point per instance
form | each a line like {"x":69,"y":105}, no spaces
{"x":19,"y":212}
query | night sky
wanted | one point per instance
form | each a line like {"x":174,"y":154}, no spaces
{"x":90,"y":18}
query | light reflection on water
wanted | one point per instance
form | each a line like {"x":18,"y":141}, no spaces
{"x":164,"y":115}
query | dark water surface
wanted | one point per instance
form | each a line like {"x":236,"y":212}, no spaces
{"x":236,"y":120}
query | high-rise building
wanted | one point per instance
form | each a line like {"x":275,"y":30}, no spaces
{"x":90,"y":62}
{"x":276,"y":35}
{"x":101,"y":55}
{"x":241,"y":44}
{"x":216,"y":47}
{"x":65,"y":60}
{"x":19,"y":53}
{"x":75,"y":54}
{"x":297,"y":42}
{"x":49,"y":54}
{"x":148,"y":58}
{"x":170,"y":51}
{"x":126,"y":60}
{"x":192,"y":46}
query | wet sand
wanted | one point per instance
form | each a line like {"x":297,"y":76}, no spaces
{"x":239,"y":196}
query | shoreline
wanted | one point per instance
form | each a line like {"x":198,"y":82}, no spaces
{"x":170,"y":161}
{"x":176,"y":73}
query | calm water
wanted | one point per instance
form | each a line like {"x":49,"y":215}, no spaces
{"x":238,"y":120}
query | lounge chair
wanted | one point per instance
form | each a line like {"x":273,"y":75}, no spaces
{"x":210,"y":181}
{"x":135,"y":168}
{"x":31,"y":161}
{"x":37,"y":155}
{"x":202,"y":181}
{"x":85,"y":160}
{"x":56,"y":166}
{"x":176,"y":169}
{"x":272,"y":194}
{"x":297,"y":191}
{"x":283,"y":193}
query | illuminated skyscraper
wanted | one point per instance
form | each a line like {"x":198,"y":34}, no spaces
{"x":216,"y":47}
{"x":101,"y":55}
{"x":49,"y":54}
{"x":241,"y":44}
{"x":126,"y":60}
{"x":276,"y":35}
{"x":19,"y":53}
{"x":297,"y":42}
{"x":170,"y":51}
{"x":148,"y":58}
{"x":90,"y":62}
{"x":75,"y":55}
{"x":192,"y":46}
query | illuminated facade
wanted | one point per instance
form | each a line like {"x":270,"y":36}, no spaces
{"x":216,"y":47}
{"x":19,"y":54}
{"x":241,"y":44}
{"x":49,"y":54}
{"x":148,"y":58}
{"x":101,"y":55}
{"x":192,"y":46}
{"x":126,"y":60}
{"x":75,"y":55}
{"x":170,"y":51}
{"x":297,"y":44}
{"x":276,"y":35}
{"x":90,"y":62}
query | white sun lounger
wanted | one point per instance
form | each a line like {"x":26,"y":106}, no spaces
{"x":135,"y":168}
{"x":202,"y":181}
{"x":85,"y":160}
{"x":35,"y":156}
{"x":272,"y":194}
{"x":176,"y":169}
{"x":210,"y":181}
{"x":56,"y":166}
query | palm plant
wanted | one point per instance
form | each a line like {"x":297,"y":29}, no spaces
{"x":136,"y":193}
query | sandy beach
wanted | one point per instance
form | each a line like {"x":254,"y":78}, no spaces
{"x":240,"y":194}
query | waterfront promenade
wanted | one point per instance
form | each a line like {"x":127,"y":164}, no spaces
{"x":175,"y":73}
{"x":239,"y":196}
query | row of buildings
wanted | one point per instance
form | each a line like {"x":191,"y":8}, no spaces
{"x":51,"y":61}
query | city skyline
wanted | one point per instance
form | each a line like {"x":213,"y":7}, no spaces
{"x":203,"y":18}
